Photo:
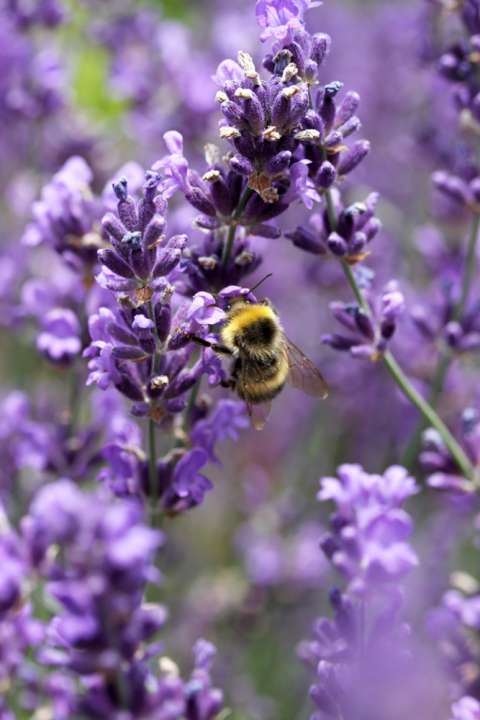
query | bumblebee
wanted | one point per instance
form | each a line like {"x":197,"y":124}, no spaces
{"x":263,"y":358}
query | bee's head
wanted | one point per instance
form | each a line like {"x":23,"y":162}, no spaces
{"x":268,"y":303}
{"x":236,"y":302}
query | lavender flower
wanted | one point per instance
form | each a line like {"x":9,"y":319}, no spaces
{"x":440,"y":323}
{"x":143,"y":348}
{"x":226,"y":420}
{"x":453,"y":625}
{"x":369,"y":530}
{"x":443,"y":471}
{"x":281,"y":18}
{"x":368,"y":545}
{"x":45,"y":12}
{"x":467,"y":708}
{"x":117,"y":296}
{"x":59,"y":338}
{"x":20,"y":633}
{"x":65,"y":216}
{"x":103,"y":633}
{"x":369,"y":335}
{"x":349,"y":240}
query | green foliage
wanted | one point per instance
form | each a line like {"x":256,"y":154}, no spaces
{"x":179,"y":9}
{"x":90,"y":85}
{"x":89,"y":69}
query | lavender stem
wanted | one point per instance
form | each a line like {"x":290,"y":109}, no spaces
{"x":227,"y":248}
{"x":152,"y":468}
{"x":446,"y":356}
{"x":402,"y":380}
{"x":152,"y":440}
{"x":469,"y":268}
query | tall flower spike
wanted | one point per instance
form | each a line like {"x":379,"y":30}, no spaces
{"x":103,"y":633}
{"x":360,"y":654}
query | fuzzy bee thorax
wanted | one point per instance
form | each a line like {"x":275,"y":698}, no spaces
{"x":252,"y":327}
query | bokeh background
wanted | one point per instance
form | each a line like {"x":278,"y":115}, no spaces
{"x":244,"y":569}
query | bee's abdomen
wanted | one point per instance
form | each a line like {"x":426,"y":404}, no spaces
{"x":260,"y":392}
{"x":262,"y":380}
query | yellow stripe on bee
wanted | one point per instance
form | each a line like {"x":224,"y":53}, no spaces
{"x":241,"y":316}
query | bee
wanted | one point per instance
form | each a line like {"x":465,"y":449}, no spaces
{"x":263,"y":358}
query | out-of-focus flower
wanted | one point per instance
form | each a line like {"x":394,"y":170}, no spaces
{"x":467,"y":708}
{"x":104,"y":631}
{"x":368,"y":542}
{"x":59,"y":338}
{"x":65,"y":217}
{"x":281,"y":18}
{"x":366,"y":640}
{"x":42,"y":12}
{"x":443,"y":472}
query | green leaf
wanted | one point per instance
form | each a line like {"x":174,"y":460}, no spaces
{"x":90,"y":85}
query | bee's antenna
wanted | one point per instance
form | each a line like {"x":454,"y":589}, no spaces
{"x":261,"y":281}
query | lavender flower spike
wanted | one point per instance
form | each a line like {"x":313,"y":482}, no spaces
{"x":369,"y":530}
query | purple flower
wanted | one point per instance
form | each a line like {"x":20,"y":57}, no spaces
{"x":368,"y":334}
{"x":45,"y":12}
{"x":368,"y":544}
{"x":59,"y":338}
{"x":204,"y":310}
{"x":436,"y":460}
{"x":369,"y":530}
{"x":224,"y":421}
{"x":122,"y":451}
{"x":101,"y":365}
{"x":437,"y":319}
{"x":280,"y":18}
{"x":188,"y":484}
{"x":66,"y":215}
{"x":114,"y":560}
{"x":102,"y":637}
{"x":301,"y":186}
{"x":467,"y":708}
{"x":204,"y":701}
{"x":355,"y":229}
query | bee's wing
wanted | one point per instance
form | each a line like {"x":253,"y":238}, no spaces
{"x":303,"y":374}
{"x":258,"y":414}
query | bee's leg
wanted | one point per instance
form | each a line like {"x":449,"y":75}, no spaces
{"x":217,"y":347}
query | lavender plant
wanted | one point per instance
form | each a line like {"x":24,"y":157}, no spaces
{"x":116,"y":417}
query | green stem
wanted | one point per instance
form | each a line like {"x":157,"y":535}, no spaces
{"x":469,"y":268}
{"x":404,"y":383}
{"x":227,"y":248}
{"x":355,"y":289}
{"x":152,"y":466}
{"x":429,"y":414}
{"x":413,"y":446}
{"x":331,"y":214}
{"x":228,"y":245}
{"x":446,"y":355}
